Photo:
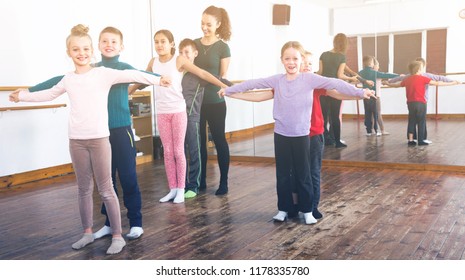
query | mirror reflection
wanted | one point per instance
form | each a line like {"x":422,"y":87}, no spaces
{"x":394,"y":40}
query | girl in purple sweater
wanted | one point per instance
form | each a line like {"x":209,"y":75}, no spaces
{"x":292,"y":110}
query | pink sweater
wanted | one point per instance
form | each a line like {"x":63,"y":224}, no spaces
{"x":88,"y":95}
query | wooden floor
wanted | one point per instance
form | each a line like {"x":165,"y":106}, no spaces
{"x":369,"y":214}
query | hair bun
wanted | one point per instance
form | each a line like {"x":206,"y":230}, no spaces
{"x":79,"y":30}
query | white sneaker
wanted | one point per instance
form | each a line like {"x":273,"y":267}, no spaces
{"x":134,"y":233}
{"x":309,"y":219}
{"x":378,"y":134}
{"x":104,"y":231}
{"x":428,"y":141}
{"x":368,"y":134}
{"x":281,"y":216}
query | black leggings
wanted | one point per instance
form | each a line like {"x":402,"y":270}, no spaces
{"x":215,"y":115}
{"x":331,"y":109}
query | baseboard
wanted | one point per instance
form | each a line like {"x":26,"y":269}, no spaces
{"x":404,"y":116}
{"x":10,"y":181}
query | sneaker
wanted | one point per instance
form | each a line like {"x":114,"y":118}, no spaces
{"x":378,"y":133}
{"x":428,"y":141}
{"x":281,"y":216}
{"x":422,"y":143}
{"x":368,"y":134}
{"x":134,"y":233}
{"x":104,"y":231}
{"x":309,"y":219}
{"x":411,"y":143}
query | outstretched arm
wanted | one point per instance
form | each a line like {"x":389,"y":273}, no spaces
{"x":390,"y":84}
{"x":184,"y":64}
{"x":367,"y":93}
{"x":254,"y":95}
{"x":441,"y":83}
{"x":341,"y":74}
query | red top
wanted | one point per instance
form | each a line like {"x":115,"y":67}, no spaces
{"x":415,"y":88}
{"x":317,"y":125}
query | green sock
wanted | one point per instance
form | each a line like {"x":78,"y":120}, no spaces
{"x":190,"y":194}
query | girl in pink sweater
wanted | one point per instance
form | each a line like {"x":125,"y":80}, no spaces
{"x":89,"y":146}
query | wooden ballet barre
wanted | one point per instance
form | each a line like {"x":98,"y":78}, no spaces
{"x":12,"y":88}
{"x":22,"y":108}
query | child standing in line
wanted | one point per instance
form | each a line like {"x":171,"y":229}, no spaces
{"x":123,"y":150}
{"x":317,"y":141}
{"x":416,"y":101}
{"x":171,"y":110}
{"x":433,"y":77}
{"x":371,"y":113}
{"x":292,"y":109}
{"x":90,"y":150}
{"x":378,"y":100}
{"x":192,"y":90}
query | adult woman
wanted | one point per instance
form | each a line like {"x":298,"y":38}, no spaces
{"x":214,"y":57}
{"x":333,"y":64}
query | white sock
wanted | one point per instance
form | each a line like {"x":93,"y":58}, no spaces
{"x":85,"y":240}
{"x":179,"y":196}
{"x":117,"y":244}
{"x":309,"y":219}
{"x":104,"y":231}
{"x":135,"y":233}
{"x":169,"y":196}
{"x":281,"y":216}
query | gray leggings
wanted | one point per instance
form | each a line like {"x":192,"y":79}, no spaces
{"x":92,"y":160}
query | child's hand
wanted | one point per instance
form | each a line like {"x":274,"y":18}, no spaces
{"x":14,"y":96}
{"x":165,"y":81}
{"x":370,"y":83}
{"x":367,"y":93}
{"x":221,"y":92}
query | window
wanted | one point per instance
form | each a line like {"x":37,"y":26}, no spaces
{"x":394,"y":51}
{"x":407,"y":47}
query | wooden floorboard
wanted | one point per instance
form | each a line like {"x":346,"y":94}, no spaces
{"x":368,"y":215}
{"x":380,"y":213}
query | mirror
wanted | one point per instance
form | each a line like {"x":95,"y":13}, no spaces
{"x":394,"y":33}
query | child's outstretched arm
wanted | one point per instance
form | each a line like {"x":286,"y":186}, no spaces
{"x":442,"y":83}
{"x":390,"y":84}
{"x":184,"y":64}
{"x":254,"y":95}
{"x":367,"y":94}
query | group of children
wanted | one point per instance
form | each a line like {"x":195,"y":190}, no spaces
{"x":416,"y":84}
{"x":102,"y":144}
{"x":102,"y":141}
